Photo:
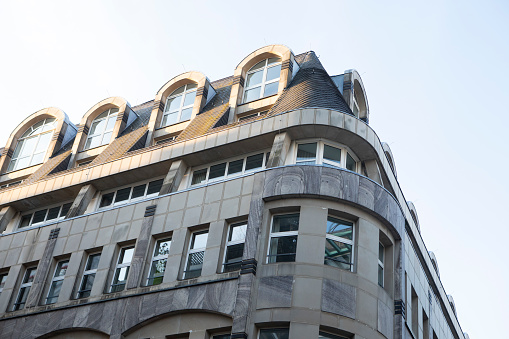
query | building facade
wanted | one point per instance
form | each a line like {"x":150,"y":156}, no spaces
{"x":261,"y":205}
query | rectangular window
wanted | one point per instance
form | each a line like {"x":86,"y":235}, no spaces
{"x":283,"y":238}
{"x":339,"y":243}
{"x":122,"y":269}
{"x":274,"y":333}
{"x":45,"y":215}
{"x":415,"y":311}
{"x":324,"y":154}
{"x":230,"y":168}
{"x":235,"y":247}
{"x":24,"y":289}
{"x":133,"y":193}
{"x":306,"y":153}
{"x":159,"y":259}
{"x":56,"y":282}
{"x":89,"y":275}
{"x":195,"y":255}
{"x":3,"y":279}
{"x":381,"y":259}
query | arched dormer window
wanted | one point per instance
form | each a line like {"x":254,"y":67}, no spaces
{"x":101,"y":129}
{"x":32,"y":145}
{"x":262,"y":80}
{"x":179,"y":105}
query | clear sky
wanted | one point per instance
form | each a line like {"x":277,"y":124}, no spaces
{"x":435,"y":74}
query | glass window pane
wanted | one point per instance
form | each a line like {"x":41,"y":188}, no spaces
{"x":252,"y":94}
{"x":65,"y":209}
{"x":3,"y":279}
{"x":93,"y":142}
{"x":111,"y":122}
{"x":157,"y":272}
{"x":271,"y":61}
{"x":37,"y":159}
{"x":283,"y":249}
{"x":332,"y":154}
{"x":285,"y":223}
{"x":126,"y":255}
{"x":43,"y":143}
{"x":93,"y":261}
{"x":350,"y":163}
{"x":338,"y":254}
{"x":235,"y":166}
{"x":274,"y":333}
{"x":103,"y":115}
{"x":254,"y":78}
{"x":195,"y":261}
{"x":189,"y":98}
{"x":22,"y":163}
{"x":28,"y":147}
{"x":86,"y":286}
{"x":199,"y":176}
{"x":254,"y":161}
{"x":162,"y":247}
{"x":381,"y":251}
{"x":273,"y":73}
{"x":97,"y":127}
{"x":154,"y":186}
{"x":237,"y":232}
{"x":30,"y":275}
{"x":61,"y":268}
{"x":107,"y":199}
{"x":53,"y":213}
{"x":221,"y":336}
{"x":25,"y":220}
{"x":22,"y":298}
{"x":123,"y":194}
{"x":138,"y":191}
{"x":199,"y":240}
{"x":270,"y":89}
{"x":258,"y":65}
{"x":178,"y":91}
{"x":106,"y":138}
{"x":233,"y":257}
{"x":173,"y":104}
{"x":54,"y":292}
{"x":39,"y":216}
{"x":169,"y":119}
{"x":306,"y":153}
{"x":191,"y":86}
{"x":380,"y":276}
{"x":340,"y":228}
{"x":120,"y":279}
{"x":186,"y":114}
{"x":217,"y":171}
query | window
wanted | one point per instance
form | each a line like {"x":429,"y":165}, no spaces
{"x":3,"y":279}
{"x":45,"y":215}
{"x":196,"y":253}
{"x":26,"y":283}
{"x":101,"y":129}
{"x":381,"y":259}
{"x":325,"y":335}
{"x":179,"y":105}
{"x":274,"y":333}
{"x":122,"y":269}
{"x":56,"y":282}
{"x":32,"y":145}
{"x":230,"y":168}
{"x":159,"y":259}
{"x":254,"y":115}
{"x":283,"y":238}
{"x":321,"y":153}
{"x":339,"y":243}
{"x":132,"y":193}
{"x":262,"y":80}
{"x":235,"y":247}
{"x":89,"y":275}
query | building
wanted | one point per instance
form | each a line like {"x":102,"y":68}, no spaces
{"x":261,"y":205}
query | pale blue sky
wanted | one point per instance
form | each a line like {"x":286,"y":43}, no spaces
{"x":435,"y":73}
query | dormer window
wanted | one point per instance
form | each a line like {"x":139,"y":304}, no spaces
{"x":102,"y":129}
{"x":179,"y":105}
{"x":32,"y":145}
{"x":262,"y":80}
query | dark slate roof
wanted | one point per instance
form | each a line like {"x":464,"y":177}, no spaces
{"x":311,"y":87}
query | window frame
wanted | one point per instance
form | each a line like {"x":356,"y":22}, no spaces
{"x":3,"y":279}
{"x":165,"y":113}
{"x":233,"y":243}
{"x":207,"y":180}
{"x":282,"y":235}
{"x":272,"y":328}
{"x":24,"y":285}
{"x":192,"y":251}
{"x":20,"y":143}
{"x":264,"y":81}
{"x":46,"y":220}
{"x":130,"y":199}
{"x":319,"y":158}
{"x":109,"y":115}
{"x":86,"y":273}
{"x":252,"y":115}
{"x":57,"y":280}
{"x":343,"y":241}
{"x":381,"y":264}
{"x":158,"y":258}
{"x":119,"y":266}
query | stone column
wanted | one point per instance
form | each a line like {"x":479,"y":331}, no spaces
{"x":174,"y":177}
{"x":140,"y":252}
{"x":42,"y":270}
{"x":80,"y":204}
{"x":279,"y":150}
{"x":6,"y":215}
